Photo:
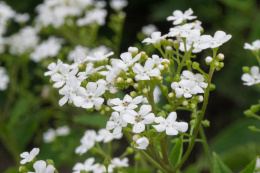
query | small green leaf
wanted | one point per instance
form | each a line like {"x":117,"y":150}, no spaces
{"x":250,"y":168}
{"x":219,"y":166}
{"x":93,"y":120}
{"x":176,"y":152}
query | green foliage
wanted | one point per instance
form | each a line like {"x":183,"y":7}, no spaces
{"x":176,"y":152}
{"x":94,"y":120}
{"x":250,"y":168}
{"x":219,"y":166}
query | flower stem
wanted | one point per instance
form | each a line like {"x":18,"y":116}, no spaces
{"x":206,"y":148}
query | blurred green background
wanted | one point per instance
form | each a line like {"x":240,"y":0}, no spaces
{"x":228,"y":134}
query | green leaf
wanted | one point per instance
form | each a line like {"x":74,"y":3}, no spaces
{"x":176,"y":152}
{"x":93,"y":120}
{"x":219,"y":166}
{"x":250,"y":168}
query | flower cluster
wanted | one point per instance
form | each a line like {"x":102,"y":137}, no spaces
{"x":4,"y":79}
{"x":89,"y":166}
{"x":39,"y":166}
{"x":51,"y":134}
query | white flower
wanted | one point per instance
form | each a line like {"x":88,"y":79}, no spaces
{"x":109,"y":83}
{"x":49,"y":48}
{"x":78,"y":54}
{"x":186,"y":88}
{"x":87,"y":166}
{"x":116,"y":122}
{"x":128,"y":59}
{"x":4,"y":79}
{"x":144,"y":73}
{"x":170,"y":124}
{"x":99,"y":56}
{"x":118,"y":4}
{"x":54,"y":68}
{"x":41,"y":167}
{"x":49,"y":135}
{"x":69,"y":90}
{"x":102,"y":169}
{"x":23,"y":42}
{"x":21,"y":18}
{"x":142,"y":143}
{"x":257,"y":165}
{"x":89,"y":71}
{"x":89,"y":97}
{"x":64,"y":76}
{"x":28,"y":157}
{"x":197,"y":78}
{"x":87,"y":142}
{"x":128,"y":103}
{"x":155,"y":38}
{"x":95,"y":16}
{"x":63,"y":131}
{"x":252,"y":79}
{"x":178,"y":17}
{"x":158,"y":61}
{"x":187,"y":30}
{"x":140,"y":119}
{"x":114,"y":69}
{"x":149,"y":29}
{"x":117,"y":163}
{"x":106,"y":136}
{"x":254,"y":47}
{"x":220,"y":37}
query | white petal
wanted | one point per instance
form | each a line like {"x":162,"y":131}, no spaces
{"x":138,"y":127}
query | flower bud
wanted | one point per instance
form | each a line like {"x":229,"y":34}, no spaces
{"x":253,"y":128}
{"x":216,"y":63}
{"x":221,"y":64}
{"x":246,"y":69}
{"x":167,"y":107}
{"x":185,"y":103}
{"x":129,"y":80}
{"x":192,"y":106}
{"x":254,"y":108}
{"x":135,"y":137}
{"x":133,"y":50}
{"x":49,"y":162}
{"x":107,"y":109}
{"x":162,"y":114}
{"x":169,"y":49}
{"x":136,"y":85}
{"x":248,"y":113}
{"x":133,"y":94}
{"x":208,"y":59}
{"x":192,"y":122}
{"x":170,"y":95}
{"x":144,"y":57}
{"x":119,"y":80}
{"x":195,"y":65}
{"x":103,"y":112}
{"x":163,"y":41}
{"x":188,"y":62}
{"x":168,"y":79}
{"x":200,"y":99}
{"x":145,"y":91}
{"x":164,"y":90}
{"x":170,"y":42}
{"x":220,"y":57}
{"x":176,"y":44}
{"x":130,"y":150}
{"x":206,"y":123}
{"x":23,"y":169}
{"x":137,"y":157}
{"x":212,"y":87}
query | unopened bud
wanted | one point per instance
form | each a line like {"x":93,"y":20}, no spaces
{"x":192,"y":106}
{"x":169,"y":49}
{"x":192,"y":123}
{"x":188,"y":62}
{"x":22,"y":169}
{"x":119,"y":80}
{"x":212,"y":87}
{"x":145,"y":90}
{"x":135,"y":137}
{"x":170,"y":95}
{"x":221,"y":57}
{"x":200,"y":98}
{"x":133,"y":50}
{"x":216,"y":63}
{"x":208,"y":59}
{"x":167,"y":107}
{"x":206,"y":123}
{"x":176,"y":44}
{"x":129,"y":80}
{"x":185,"y":103}
{"x":253,"y":128}
{"x":49,"y":162}
{"x":159,"y":77}
{"x":107,"y":108}
{"x":248,"y":113}
{"x":221,"y":64}
{"x":254,"y":108}
{"x":164,"y":90}
{"x":129,"y":150}
{"x":170,"y":42}
{"x":246,"y":69}
{"x":163,"y":41}
{"x":162,"y":114}
{"x":137,"y":157}
{"x":133,"y":94}
{"x":136,"y":85}
{"x":195,"y":65}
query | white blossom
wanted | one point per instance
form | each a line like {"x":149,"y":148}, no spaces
{"x":186,"y":88}
{"x":140,"y":119}
{"x":87,"y":142}
{"x":197,"y":78}
{"x":253,"y":78}
{"x":155,"y":38}
{"x":22,"y":18}
{"x":87,"y":166}
{"x":99,"y":56}
{"x":49,"y":135}
{"x":170,"y":125}
{"x":118,"y":4}
{"x":178,"y":17}
{"x":142,"y":143}
{"x":95,"y":16}
{"x":63,"y":131}
{"x":149,"y":29}
{"x":54,"y":68}
{"x":128,"y":103}
{"x":207,"y":41}
{"x":41,"y":166}
{"x":89,"y":97}
{"x":116,"y":122}
{"x":119,"y":163}
{"x":106,"y":136}
{"x":144,"y":73}
{"x":28,"y":157}
{"x":78,"y":54}
{"x":128,"y":59}
{"x":4,"y":79}
{"x":254,"y":47}
{"x":187,"y":30}
{"x":109,"y":83}
{"x":158,"y":61}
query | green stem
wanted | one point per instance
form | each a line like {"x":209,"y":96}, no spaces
{"x":200,"y":118}
{"x":206,"y":148}
{"x":164,"y":152}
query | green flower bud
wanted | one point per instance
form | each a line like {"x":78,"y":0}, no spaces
{"x":177,"y":78}
{"x":212,"y":87}
{"x":145,"y":91}
{"x":167,"y":107}
{"x":176,"y":44}
{"x":185,"y":103}
{"x":246,"y":69}
{"x":137,"y":157}
{"x":83,"y":171}
{"x":221,"y":64}
{"x":254,"y":108}
{"x":168,"y":79}
{"x":170,"y":42}
{"x":192,"y":123}
{"x":144,"y":57}
{"x":133,"y":94}
{"x":192,"y":106}
{"x":23,"y":169}
{"x":195,"y":65}
{"x":162,"y":114}
{"x":163,"y":42}
{"x":248,"y":113}
{"x":130,"y":150}
{"x":129,"y":81}
{"x":164,"y":90}
{"x":206,"y":123}
{"x":254,"y":129}
{"x":188,"y":62}
{"x":171,"y":95}
{"x":220,"y":57}
{"x":106,"y":162}
{"x":49,"y":162}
